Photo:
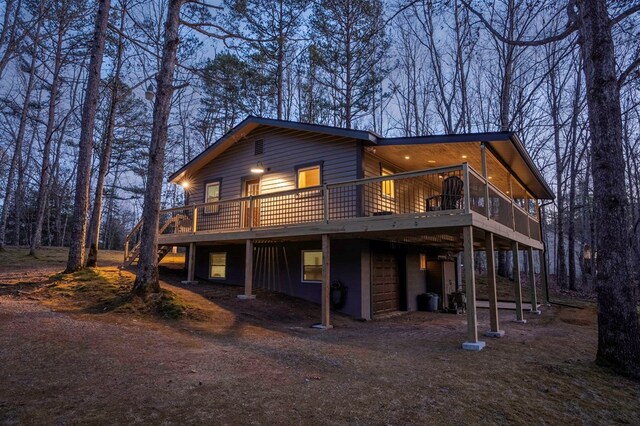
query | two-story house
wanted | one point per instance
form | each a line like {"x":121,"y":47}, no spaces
{"x":351,"y":220}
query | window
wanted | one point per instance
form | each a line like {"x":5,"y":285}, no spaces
{"x":388,"y":189}
{"x":423,"y":262}
{"x":218,"y":265}
{"x":309,"y":177}
{"x":211,"y":194}
{"x":311,"y":266}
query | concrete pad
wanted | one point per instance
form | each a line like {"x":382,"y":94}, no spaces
{"x":473,"y":346}
{"x":245,"y":297}
{"x":322,"y":327}
{"x":522,"y":321}
{"x":499,"y":333}
{"x":537,"y":312}
{"x":188,"y":282}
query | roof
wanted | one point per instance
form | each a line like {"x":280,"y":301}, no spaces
{"x":512,"y":154}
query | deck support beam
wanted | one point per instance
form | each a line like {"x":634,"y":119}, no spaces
{"x":532,"y":283}
{"x":472,"y":343}
{"x":326,"y":284}
{"x":191,"y":265}
{"x":494,"y":331}
{"x":248,"y":272}
{"x":517,"y":281}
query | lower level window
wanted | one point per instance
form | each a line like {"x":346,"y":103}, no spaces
{"x":311,"y":265}
{"x":218,"y":265}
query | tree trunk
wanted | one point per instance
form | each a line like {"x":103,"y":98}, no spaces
{"x":83,"y":176}
{"x":43,"y":187}
{"x":6,"y":205}
{"x":147,"y":276}
{"x":105,"y":157}
{"x":618,"y":325}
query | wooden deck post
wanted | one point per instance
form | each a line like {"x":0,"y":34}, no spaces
{"x":472,"y":343}
{"x":483,"y":156}
{"x":518,"y":284}
{"x":248,"y":272}
{"x":494,"y":331}
{"x":543,"y":274}
{"x":191,"y":265}
{"x":532,"y":283}
{"x":326,"y":283}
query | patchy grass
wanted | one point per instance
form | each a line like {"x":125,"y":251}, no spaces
{"x":93,"y":290}
{"x":108,"y":289}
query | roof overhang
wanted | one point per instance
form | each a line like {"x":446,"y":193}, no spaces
{"x":248,"y":125}
{"x":505,"y":146}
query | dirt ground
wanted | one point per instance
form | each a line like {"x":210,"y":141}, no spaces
{"x":258,"y":362}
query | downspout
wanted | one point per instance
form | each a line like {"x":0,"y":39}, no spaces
{"x":544,"y":259}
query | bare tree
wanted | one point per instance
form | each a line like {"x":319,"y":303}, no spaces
{"x":107,"y":144}
{"x":17,"y":151}
{"x":147,"y":279}
{"x":83,"y":175}
{"x":618,"y":320}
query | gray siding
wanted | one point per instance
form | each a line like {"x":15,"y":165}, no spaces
{"x":283,"y":150}
{"x":278,"y":267}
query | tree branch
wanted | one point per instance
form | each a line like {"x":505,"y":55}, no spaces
{"x":571,"y":27}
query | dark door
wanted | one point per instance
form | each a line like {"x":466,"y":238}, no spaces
{"x":252,"y":187}
{"x":385,"y":283}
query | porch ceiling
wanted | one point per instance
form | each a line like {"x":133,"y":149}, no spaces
{"x":502,"y":155}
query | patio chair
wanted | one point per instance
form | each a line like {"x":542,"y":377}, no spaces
{"x":450,"y":197}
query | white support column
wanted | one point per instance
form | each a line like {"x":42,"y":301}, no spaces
{"x":472,"y":343}
{"x":532,"y":283}
{"x":518,"y":284}
{"x":248,"y":272}
{"x":326,"y":284}
{"x":191,"y":265}
{"x":493,"y":292}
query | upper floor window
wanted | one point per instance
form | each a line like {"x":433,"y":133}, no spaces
{"x":211,"y":194}
{"x":388,"y":189}
{"x":309,"y":177}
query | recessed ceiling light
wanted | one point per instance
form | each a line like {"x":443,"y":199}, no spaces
{"x":464,"y":156}
{"x":490,"y":177}
{"x":406,"y":157}
{"x":431,"y":161}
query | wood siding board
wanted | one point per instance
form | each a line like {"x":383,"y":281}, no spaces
{"x":283,"y":150}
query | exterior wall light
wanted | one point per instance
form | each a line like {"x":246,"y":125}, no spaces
{"x":259,"y":168}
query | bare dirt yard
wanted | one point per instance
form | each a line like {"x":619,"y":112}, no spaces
{"x":77,"y":350}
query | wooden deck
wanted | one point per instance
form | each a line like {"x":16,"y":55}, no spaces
{"x":358,"y":209}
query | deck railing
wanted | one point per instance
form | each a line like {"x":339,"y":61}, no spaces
{"x":445,"y":190}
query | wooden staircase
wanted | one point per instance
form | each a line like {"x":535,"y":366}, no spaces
{"x":132,"y":254}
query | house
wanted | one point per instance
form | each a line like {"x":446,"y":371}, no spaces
{"x":351,"y":220}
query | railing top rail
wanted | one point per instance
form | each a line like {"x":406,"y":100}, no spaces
{"x":219,"y":202}
{"x":523,"y":211}
{"x":175,"y":209}
{"x":134,"y":230}
{"x":396,"y":176}
{"x":476,"y":174}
